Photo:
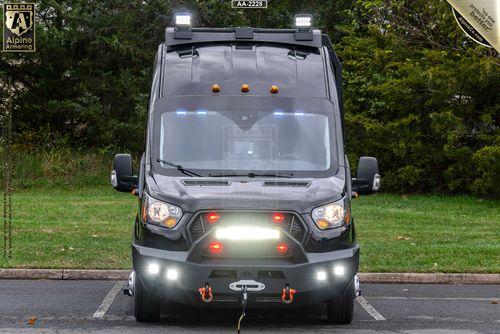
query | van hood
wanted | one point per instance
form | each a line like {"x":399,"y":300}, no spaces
{"x":193,"y":193}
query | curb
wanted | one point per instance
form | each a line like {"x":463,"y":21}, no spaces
{"x":430,"y":278}
{"x":64,"y":274}
{"x":385,"y":278}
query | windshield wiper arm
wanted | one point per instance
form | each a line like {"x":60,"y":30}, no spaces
{"x":285,"y":175}
{"x":178,"y":167}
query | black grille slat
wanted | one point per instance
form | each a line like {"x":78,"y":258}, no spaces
{"x":297,"y":232}
{"x":196,"y":229}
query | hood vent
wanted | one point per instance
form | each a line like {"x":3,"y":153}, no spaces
{"x":210,"y":183}
{"x":303,"y":184}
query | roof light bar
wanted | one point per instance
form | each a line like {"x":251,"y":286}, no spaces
{"x":183,"y":20}
{"x":303,"y":21}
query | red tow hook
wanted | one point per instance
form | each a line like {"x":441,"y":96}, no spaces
{"x":206,"y":293}
{"x":287,"y":295}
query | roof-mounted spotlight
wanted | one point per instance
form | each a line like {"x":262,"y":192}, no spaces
{"x":303,"y":25}
{"x":303,"y":21}
{"x":183,"y":22}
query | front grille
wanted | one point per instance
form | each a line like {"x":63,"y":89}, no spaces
{"x":291,"y":222}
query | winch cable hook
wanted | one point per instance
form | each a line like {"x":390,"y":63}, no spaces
{"x":244,"y":298}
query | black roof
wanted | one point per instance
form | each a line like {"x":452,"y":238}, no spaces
{"x":297,"y":72}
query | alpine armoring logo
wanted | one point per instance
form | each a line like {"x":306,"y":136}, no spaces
{"x":19,"y":27}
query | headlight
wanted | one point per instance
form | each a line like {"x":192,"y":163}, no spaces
{"x":330,"y":216}
{"x":160,"y":213}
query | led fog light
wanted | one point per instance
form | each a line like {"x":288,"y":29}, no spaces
{"x":172,"y":274}
{"x":338,"y":270}
{"x":321,"y":275}
{"x":153,"y":268}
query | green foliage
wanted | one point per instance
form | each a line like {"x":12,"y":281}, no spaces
{"x":421,"y":98}
{"x":419,"y":95}
{"x":62,"y":168}
{"x":487,"y":163}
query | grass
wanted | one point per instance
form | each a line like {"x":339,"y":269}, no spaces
{"x":428,"y":233}
{"x":91,"y":227}
{"x":63,"y":228}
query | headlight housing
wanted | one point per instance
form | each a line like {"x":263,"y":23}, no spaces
{"x":160,"y":213}
{"x":331,"y":215}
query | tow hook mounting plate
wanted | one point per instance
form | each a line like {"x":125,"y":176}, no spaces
{"x":251,"y":285}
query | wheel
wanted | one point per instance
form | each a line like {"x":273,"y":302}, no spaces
{"x":340,"y":310}
{"x":146,"y":305}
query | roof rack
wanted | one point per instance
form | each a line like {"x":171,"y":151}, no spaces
{"x":181,"y":36}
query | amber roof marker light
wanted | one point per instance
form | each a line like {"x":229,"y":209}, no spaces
{"x":274,"y":89}
{"x":245,"y":88}
{"x":215,"y":88}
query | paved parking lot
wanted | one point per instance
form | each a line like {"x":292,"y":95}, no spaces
{"x":100,"y":307}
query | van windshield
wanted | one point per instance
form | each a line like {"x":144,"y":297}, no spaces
{"x":251,"y":141}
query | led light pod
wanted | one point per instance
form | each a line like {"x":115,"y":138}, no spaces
{"x":183,"y":19}
{"x":303,"y":21}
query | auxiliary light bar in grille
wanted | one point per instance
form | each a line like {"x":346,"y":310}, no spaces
{"x":246,"y":233}
{"x":289,"y":222}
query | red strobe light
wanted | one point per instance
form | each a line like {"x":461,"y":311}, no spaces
{"x":216,"y":247}
{"x":278,"y":217}
{"x":282,"y":248}
{"x":213,"y":217}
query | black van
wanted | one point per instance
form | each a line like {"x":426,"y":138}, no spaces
{"x":244,"y":187}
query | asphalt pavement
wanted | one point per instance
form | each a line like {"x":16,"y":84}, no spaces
{"x":48,"y":306}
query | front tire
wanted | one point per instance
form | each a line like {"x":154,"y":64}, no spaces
{"x":146,"y":305}
{"x":340,"y":310}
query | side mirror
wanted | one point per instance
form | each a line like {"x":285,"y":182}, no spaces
{"x":122,"y":177}
{"x":368,"y":179}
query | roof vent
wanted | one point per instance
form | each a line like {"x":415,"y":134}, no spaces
{"x":206,"y":183}
{"x":303,"y":184}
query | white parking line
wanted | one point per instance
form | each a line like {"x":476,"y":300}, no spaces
{"x":370,"y":309}
{"x":108,"y":300}
{"x":437,"y":298}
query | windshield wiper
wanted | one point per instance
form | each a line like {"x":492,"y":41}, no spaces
{"x":178,"y":167}
{"x":285,"y":175}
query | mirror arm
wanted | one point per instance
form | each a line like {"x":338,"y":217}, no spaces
{"x":358,"y":185}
